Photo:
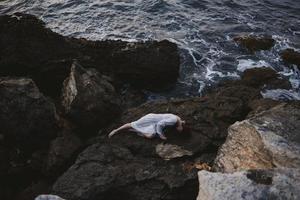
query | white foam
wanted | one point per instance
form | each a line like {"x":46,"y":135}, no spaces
{"x":281,"y":94}
{"x":245,"y":64}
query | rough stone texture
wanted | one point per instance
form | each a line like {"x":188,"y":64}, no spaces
{"x":255,"y":43}
{"x":128,"y":165}
{"x":27,"y":118}
{"x":30,"y":49}
{"x":169,"y":151}
{"x":267,"y":140}
{"x":89,"y":99}
{"x":105,"y":171}
{"x":207,"y":118}
{"x":254,"y":184}
{"x":264,"y":78}
{"x":291,"y":56}
{"x":61,"y":151}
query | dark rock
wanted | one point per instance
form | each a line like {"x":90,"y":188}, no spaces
{"x":35,"y":189}
{"x":27,"y":118}
{"x":254,"y":43}
{"x":161,"y":56}
{"x":89,"y":99}
{"x":260,"y":177}
{"x":291,"y":56}
{"x":105,"y":171}
{"x":30,"y":49}
{"x":61,"y":152}
{"x":207,"y":118}
{"x":266,"y":78}
{"x":130,"y":165}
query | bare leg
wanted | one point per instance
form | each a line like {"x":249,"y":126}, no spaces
{"x":124,"y":127}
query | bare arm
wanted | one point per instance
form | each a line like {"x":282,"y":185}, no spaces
{"x":159,"y":130}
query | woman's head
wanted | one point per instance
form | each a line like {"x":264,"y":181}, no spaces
{"x":180,"y":125}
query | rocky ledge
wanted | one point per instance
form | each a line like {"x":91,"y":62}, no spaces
{"x":61,"y":96}
{"x":30,"y":49}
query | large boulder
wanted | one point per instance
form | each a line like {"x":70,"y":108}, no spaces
{"x":253,"y":184}
{"x":89,"y":99}
{"x":61,"y":153}
{"x":107,"y":171}
{"x":266,"y":140}
{"x":30,"y":49}
{"x":255,"y":43}
{"x":28,"y":119}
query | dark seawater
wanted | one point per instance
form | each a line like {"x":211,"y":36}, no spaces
{"x":202,"y":29}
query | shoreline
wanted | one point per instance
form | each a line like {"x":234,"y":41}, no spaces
{"x":60,"y":97}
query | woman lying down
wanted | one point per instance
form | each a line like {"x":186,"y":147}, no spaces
{"x":152,"y":125}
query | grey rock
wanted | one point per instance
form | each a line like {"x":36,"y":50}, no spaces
{"x":267,"y":140}
{"x":251,"y":185}
{"x":170,"y":151}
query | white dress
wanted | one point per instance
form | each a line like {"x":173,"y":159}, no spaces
{"x":152,"y":124}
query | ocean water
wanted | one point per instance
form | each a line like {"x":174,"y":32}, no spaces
{"x":202,"y":29}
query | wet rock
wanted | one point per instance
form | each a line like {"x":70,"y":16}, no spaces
{"x":255,"y":43}
{"x":61,"y":151}
{"x":161,"y":56}
{"x":27,"y":118}
{"x":291,"y":56}
{"x":254,"y":184}
{"x":105,"y":171}
{"x":267,"y":140}
{"x":89,"y":99}
{"x":264,"y":78}
{"x":30,"y":49}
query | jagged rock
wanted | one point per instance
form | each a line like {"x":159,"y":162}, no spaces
{"x":61,"y":151}
{"x":267,"y":140}
{"x":89,"y":99}
{"x":255,"y":43}
{"x":253,"y":184}
{"x":30,"y":49}
{"x":169,"y":151}
{"x":207,"y":119}
{"x":27,"y":118}
{"x":105,"y":171}
{"x":264,"y":78}
{"x":128,"y":165}
{"x":291,"y":56}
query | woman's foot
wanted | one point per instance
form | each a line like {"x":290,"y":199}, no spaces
{"x":112,"y":133}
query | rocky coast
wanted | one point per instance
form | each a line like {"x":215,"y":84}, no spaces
{"x":60,"y":97}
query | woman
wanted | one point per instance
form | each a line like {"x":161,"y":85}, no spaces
{"x":152,"y":125}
